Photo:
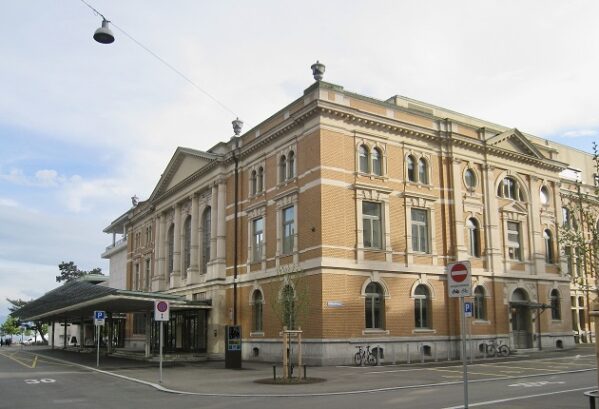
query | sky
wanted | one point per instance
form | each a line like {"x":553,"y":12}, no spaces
{"x":85,"y":126}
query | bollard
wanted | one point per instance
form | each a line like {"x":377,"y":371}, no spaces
{"x":378,"y":355}
{"x":274,"y":372}
{"x":408,"y":353}
{"x":393,"y":353}
{"x":305,"y":371}
{"x":592,"y":395}
{"x":421,"y":353}
{"x":435,"y":351}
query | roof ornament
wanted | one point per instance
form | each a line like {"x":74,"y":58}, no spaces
{"x":318,"y":70}
{"x":134,"y":200}
{"x":237,"y":125}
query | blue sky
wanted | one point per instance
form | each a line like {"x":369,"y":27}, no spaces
{"x":84,"y":126}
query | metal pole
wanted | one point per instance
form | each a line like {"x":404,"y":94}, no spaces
{"x":161,"y":342}
{"x":464,"y":360}
{"x":98,"y":348}
{"x":235,"y":245}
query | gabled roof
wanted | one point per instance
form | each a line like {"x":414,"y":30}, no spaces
{"x":513,"y":140}
{"x":184,"y":163}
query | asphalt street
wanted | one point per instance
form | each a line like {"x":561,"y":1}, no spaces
{"x":41,"y":378}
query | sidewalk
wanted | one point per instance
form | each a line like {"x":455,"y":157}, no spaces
{"x":211,"y":378}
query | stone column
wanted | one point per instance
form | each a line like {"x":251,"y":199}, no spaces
{"x":213,"y":231}
{"x":156,"y":272}
{"x":535,"y":233}
{"x":493,"y":251}
{"x":195,"y":217}
{"x":176,"y":273}
{"x":221,"y":222}
{"x":461,"y":251}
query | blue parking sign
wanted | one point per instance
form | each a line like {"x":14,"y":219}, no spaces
{"x":99,"y":315}
{"x":468,"y":307}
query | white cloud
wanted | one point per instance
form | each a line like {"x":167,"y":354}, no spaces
{"x":581,"y":133}
{"x":6,"y":202}
{"x":48,"y":177}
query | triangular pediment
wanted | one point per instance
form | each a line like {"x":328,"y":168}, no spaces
{"x":514,"y":141}
{"x":515,"y":207}
{"x":184,"y":163}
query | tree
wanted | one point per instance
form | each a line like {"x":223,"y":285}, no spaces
{"x":37,"y":326}
{"x":579,"y":234}
{"x":290,"y":296}
{"x":10,"y":326}
{"x":69,"y":272}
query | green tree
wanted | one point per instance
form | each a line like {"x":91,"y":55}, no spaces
{"x":38,"y":327}
{"x":10,"y":326}
{"x":290,"y":296}
{"x":69,"y":272}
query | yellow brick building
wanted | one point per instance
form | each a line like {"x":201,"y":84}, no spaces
{"x":361,"y":203}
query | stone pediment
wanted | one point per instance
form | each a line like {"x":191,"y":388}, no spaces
{"x":184,"y":163}
{"x":514,"y":141}
{"x":515,"y":207}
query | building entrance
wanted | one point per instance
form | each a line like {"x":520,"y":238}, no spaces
{"x":521,"y":320}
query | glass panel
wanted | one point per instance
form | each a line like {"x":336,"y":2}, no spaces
{"x":291,"y":165}
{"x":258,"y":230}
{"x":288,"y":229}
{"x":470,"y":178}
{"x":376,"y":162}
{"x":411,"y":171}
{"x":422,"y":172}
{"x":372,"y":227}
{"x":363,"y":153}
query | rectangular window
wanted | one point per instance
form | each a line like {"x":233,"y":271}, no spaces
{"x":258,"y":239}
{"x":147,"y":275}
{"x":288,"y":229}
{"x":513,"y":241}
{"x":420,"y":241}
{"x":371,"y":220}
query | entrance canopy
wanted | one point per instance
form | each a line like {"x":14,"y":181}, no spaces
{"x":77,"y":300}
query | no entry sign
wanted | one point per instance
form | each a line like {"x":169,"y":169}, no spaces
{"x":459,"y":279}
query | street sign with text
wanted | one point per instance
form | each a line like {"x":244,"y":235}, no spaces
{"x":459,"y":279}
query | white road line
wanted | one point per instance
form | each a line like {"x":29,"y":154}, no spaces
{"x":538,"y":395}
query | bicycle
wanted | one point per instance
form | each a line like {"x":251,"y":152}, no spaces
{"x":364,"y":356}
{"x":497,"y":348}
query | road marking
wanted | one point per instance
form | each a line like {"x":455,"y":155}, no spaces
{"x":538,"y":395}
{"x":469,"y":372}
{"x":11,"y":356}
{"x":38,"y":381}
{"x":537,"y":384}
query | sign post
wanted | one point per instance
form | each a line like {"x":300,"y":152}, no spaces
{"x":161,"y":313}
{"x":459,"y":284}
{"x":99,"y":319}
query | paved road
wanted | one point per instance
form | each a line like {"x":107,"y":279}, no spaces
{"x":35,"y":379}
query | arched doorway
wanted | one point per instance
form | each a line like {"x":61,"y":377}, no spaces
{"x":521,"y":319}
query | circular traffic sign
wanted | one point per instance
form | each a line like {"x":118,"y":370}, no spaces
{"x":162,"y":306}
{"x":459,"y":272}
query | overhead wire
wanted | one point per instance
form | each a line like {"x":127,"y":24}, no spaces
{"x":163,"y":61}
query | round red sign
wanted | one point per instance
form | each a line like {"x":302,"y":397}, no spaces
{"x":161,"y":306}
{"x":459,"y":272}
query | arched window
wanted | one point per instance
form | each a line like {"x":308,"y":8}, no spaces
{"x":186,"y":245}
{"x":473,"y":237}
{"x":411,"y":167}
{"x":171,"y":248}
{"x":254,"y":182}
{"x":374,"y":310}
{"x":422,"y":171}
{"x":470,"y":179}
{"x":282,"y":168}
{"x":544,"y":195}
{"x":548,"y":246}
{"x":509,"y":189}
{"x":556,"y":312}
{"x":422,"y":317}
{"x":377,"y":166}
{"x":291,"y":165}
{"x":206,"y":235}
{"x":363,"y":158}
{"x":480,"y":312}
{"x":260,"y":180}
{"x":257,"y":302}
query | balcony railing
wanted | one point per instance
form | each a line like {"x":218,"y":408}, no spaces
{"x":117,"y":243}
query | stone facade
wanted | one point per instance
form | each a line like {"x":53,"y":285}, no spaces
{"x":363,"y":203}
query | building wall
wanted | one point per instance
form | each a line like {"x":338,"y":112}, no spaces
{"x":324,"y":130}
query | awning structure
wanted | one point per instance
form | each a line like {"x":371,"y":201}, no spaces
{"x":79,"y":299}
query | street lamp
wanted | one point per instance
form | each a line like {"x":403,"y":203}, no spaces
{"x":104,"y":35}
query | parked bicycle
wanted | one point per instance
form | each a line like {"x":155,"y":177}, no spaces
{"x":364,"y":356}
{"x":497,"y":348}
